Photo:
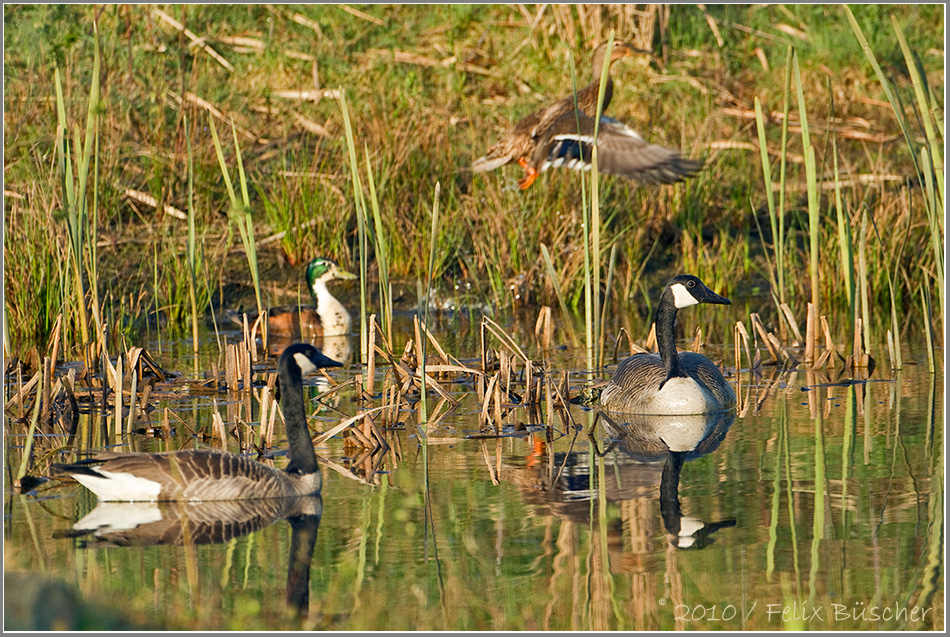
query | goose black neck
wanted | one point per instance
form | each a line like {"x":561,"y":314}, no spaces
{"x":665,"y":336}
{"x":670,"y":509}
{"x":302,"y":457}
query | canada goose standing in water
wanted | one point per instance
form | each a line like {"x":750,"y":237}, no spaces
{"x":194,"y":475}
{"x":670,"y":382}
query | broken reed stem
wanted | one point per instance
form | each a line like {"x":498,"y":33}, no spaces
{"x":371,"y":357}
{"x":811,"y":334}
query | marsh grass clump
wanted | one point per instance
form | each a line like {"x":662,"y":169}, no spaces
{"x":854,"y":133}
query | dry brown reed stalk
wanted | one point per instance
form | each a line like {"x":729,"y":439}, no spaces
{"x":786,"y":313}
{"x":650,"y":345}
{"x":860,"y":358}
{"x":776,"y":350}
{"x":322,"y":438}
{"x":828,"y":356}
{"x":218,"y":429}
{"x":371,"y":357}
{"x":544,"y":328}
{"x":811,"y":334}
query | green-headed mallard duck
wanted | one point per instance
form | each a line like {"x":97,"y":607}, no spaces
{"x":671,"y":383}
{"x":196,"y":475}
{"x":538,"y":130}
{"x":328,"y":317}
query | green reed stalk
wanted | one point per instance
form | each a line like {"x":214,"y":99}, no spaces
{"x":845,"y":248}
{"x":927,"y":115}
{"x":924,"y":165}
{"x":594,"y":228}
{"x":811,"y":178}
{"x":588,"y":266}
{"x":603,"y":313}
{"x":556,"y":284}
{"x":770,"y":199}
{"x":361,"y":223}
{"x":928,"y":330}
{"x":156,"y":299}
{"x":432,"y":241}
{"x":192,"y":242}
{"x":934,"y":219}
{"x":892,"y":279}
{"x":786,"y":104}
{"x":75,"y":186}
{"x":240,"y":209}
{"x":863,"y":288}
{"x":381,"y":248}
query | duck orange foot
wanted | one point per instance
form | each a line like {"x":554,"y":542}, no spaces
{"x":528,"y":179}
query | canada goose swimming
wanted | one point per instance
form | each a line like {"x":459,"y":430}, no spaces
{"x":215,"y":475}
{"x":327,"y":317}
{"x":672,"y":382}
{"x":520,"y":142}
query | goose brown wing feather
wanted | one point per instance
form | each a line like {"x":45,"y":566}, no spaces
{"x":193,"y":475}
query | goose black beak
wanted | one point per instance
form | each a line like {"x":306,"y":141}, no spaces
{"x":712,"y":297}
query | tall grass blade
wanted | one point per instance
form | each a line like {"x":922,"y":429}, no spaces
{"x":845,"y":248}
{"x":428,"y":295}
{"x":240,"y":209}
{"x":928,"y":328}
{"x":927,"y":116}
{"x":192,"y":242}
{"x":595,"y":223}
{"x":811,"y":178}
{"x":361,"y":222}
{"x":556,"y":284}
{"x":923,"y":167}
{"x":786,"y":104}
{"x":381,"y":249}
{"x":770,"y":199}
{"x":75,"y":185}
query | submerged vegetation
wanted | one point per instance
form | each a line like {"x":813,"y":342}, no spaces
{"x":822,"y":128}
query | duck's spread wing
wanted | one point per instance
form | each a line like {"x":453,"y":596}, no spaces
{"x":620,"y":151}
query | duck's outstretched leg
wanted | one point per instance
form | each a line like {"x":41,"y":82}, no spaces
{"x":530,"y":174}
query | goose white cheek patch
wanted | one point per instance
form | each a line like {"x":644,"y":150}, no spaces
{"x":305,"y":364}
{"x":681,"y":296}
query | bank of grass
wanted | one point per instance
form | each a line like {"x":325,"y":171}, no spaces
{"x":428,"y":89}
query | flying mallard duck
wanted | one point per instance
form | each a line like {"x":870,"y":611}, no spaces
{"x":560,"y":135}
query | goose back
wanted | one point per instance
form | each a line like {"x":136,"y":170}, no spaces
{"x":190,"y":475}
{"x":640,"y":386}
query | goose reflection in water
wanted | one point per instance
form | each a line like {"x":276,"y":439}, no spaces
{"x":644,"y":450}
{"x":123,"y":524}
